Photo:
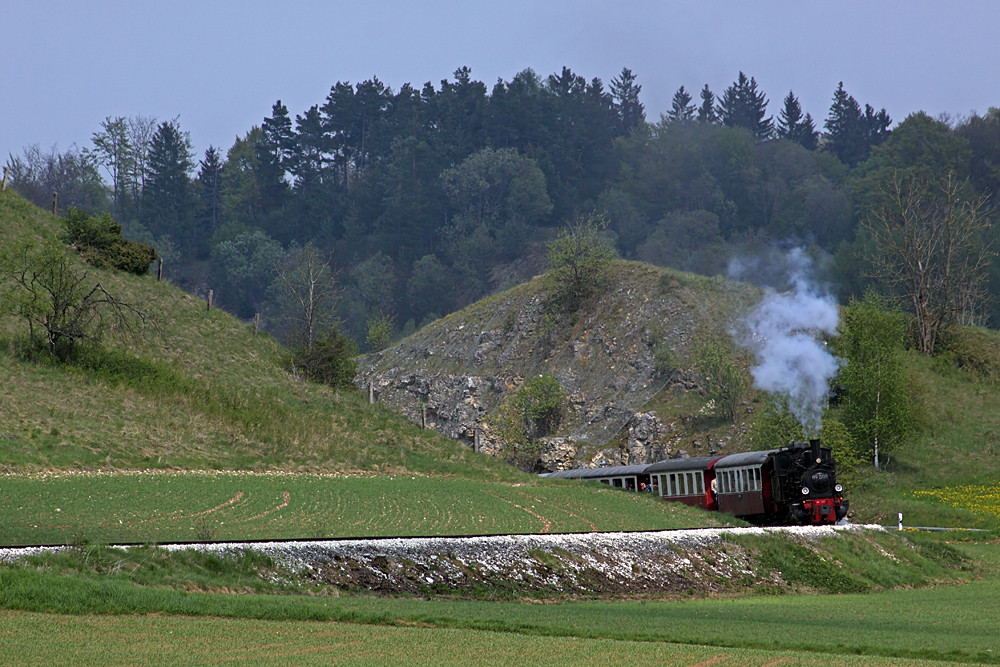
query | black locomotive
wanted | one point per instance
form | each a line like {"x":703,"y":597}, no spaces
{"x":794,"y":484}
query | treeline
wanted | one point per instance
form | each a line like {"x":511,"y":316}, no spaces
{"x":427,"y":199}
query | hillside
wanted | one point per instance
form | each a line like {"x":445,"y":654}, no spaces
{"x":201,"y":392}
{"x":198,"y":391}
{"x":625,"y":363}
{"x":631,"y":346}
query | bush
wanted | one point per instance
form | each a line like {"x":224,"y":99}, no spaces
{"x":578,"y":259}
{"x":532,"y":412}
{"x":540,"y":401}
{"x":100,"y":242}
{"x":330,"y":360}
{"x":974,"y":350}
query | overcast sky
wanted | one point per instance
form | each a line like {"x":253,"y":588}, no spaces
{"x":218,"y":65}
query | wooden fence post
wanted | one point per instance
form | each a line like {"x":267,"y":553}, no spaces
{"x":159,"y":269}
{"x":423,"y":416}
{"x":256,"y":323}
{"x":55,"y":202}
{"x":371,"y":392}
{"x":209,"y":300}
{"x":5,"y":177}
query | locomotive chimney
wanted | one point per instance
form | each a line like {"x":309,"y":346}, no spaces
{"x":814,"y":443}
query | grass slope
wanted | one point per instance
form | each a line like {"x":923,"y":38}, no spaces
{"x":949,"y":623}
{"x":199,"y":392}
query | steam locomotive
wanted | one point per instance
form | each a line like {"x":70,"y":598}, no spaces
{"x":792,"y":485}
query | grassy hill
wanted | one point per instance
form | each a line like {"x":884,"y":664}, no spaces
{"x":201,"y":392}
{"x":107,"y":448}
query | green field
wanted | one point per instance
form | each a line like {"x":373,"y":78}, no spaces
{"x":54,"y":639}
{"x":953,"y":623}
{"x":158,"y":506}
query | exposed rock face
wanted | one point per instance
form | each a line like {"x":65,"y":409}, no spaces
{"x":609,"y":359}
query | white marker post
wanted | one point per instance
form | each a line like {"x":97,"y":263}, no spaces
{"x":899,"y":515}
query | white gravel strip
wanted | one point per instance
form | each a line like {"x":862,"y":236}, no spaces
{"x":477,"y":547}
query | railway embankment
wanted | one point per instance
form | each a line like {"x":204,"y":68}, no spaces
{"x":715,"y":561}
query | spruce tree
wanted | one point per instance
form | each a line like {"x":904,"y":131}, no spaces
{"x":681,"y":108}
{"x":845,"y":129}
{"x":168,"y":201}
{"x":742,"y":105}
{"x":625,"y":92}
{"x":208,"y":191}
{"x":706,"y":112}
{"x":794,"y":127}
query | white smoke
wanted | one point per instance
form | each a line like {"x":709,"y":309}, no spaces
{"x":784,"y":332}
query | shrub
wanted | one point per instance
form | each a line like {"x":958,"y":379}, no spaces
{"x":532,"y":412}
{"x":379,"y":332}
{"x":100,"y":242}
{"x":540,"y":401}
{"x":330,"y":360}
{"x":578,"y":259}
{"x":974,"y":350}
{"x":722,"y":377}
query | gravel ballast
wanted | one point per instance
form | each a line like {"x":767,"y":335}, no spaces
{"x":661,"y":562}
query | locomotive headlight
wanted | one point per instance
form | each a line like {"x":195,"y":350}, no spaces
{"x":838,"y":488}
{"x":805,"y":490}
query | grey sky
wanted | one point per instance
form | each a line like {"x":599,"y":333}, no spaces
{"x":218,"y":65}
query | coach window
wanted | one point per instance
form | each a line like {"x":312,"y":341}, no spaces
{"x":756,"y":478}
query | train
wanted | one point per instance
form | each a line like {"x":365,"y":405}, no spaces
{"x":796,"y":484}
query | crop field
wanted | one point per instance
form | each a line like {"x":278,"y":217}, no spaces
{"x":54,"y":639}
{"x":158,"y":506}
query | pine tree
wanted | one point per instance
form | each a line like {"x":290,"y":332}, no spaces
{"x":274,"y":154}
{"x":742,"y":105}
{"x":625,"y":92}
{"x":681,"y":108}
{"x":706,"y":112}
{"x":794,"y":127}
{"x":208,"y":189}
{"x":168,"y":201}
{"x":852,"y":134}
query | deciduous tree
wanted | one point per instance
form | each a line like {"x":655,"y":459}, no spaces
{"x":578,"y":259}
{"x":306,"y":290}
{"x":61,"y":304}
{"x":876,"y":407}
{"x":929,"y":247}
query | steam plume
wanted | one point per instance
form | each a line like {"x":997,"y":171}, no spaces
{"x":784,"y":333}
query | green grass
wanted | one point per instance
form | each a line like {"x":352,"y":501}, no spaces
{"x":52,"y":639}
{"x":197,"y":391}
{"x":952,"y":623}
{"x":163,"y":506}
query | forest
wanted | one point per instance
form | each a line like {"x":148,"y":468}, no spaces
{"x":415,"y":202}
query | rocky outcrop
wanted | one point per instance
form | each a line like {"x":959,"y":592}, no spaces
{"x":611,"y":358}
